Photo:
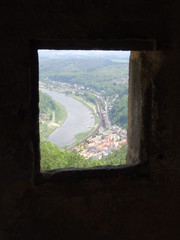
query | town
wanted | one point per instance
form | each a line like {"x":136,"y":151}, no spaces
{"x":103,"y":143}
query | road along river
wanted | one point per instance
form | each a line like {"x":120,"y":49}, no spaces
{"x":80,"y":119}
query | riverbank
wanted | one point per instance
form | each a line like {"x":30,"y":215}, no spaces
{"x":50,"y":125}
{"x":79,"y":122}
{"x":90,"y":106}
{"x":80,"y":137}
{"x":61,"y":115}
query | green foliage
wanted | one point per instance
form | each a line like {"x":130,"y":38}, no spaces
{"x":81,"y":136}
{"x":117,"y":157}
{"x":60,"y":112}
{"x":53,"y":111}
{"x":90,"y":98}
{"x":119,"y":112}
{"x":46,"y":103}
{"x":53,"y":157}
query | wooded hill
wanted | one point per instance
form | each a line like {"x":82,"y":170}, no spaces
{"x":46,"y":103}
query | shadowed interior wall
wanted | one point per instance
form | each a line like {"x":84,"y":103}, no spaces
{"x":128,"y":207}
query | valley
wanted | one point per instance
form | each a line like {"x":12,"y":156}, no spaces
{"x":104,"y":95}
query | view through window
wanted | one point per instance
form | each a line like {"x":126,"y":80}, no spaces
{"x":83,"y":108}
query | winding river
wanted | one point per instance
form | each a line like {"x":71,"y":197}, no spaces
{"x":80,"y":119}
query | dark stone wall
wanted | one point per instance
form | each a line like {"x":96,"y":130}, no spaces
{"x":120,"y":206}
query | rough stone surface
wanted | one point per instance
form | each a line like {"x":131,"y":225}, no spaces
{"x":128,"y":206}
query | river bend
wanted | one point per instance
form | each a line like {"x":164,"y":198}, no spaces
{"x":80,"y":119}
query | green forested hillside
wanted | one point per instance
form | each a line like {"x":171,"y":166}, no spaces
{"x":119,"y":112}
{"x":53,"y":157}
{"x":53,"y":113}
{"x":46,"y":104}
{"x":97,"y":74}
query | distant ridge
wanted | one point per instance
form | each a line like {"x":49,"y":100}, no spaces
{"x":82,"y":54}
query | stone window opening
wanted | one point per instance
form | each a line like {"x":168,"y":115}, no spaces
{"x":135,"y":164}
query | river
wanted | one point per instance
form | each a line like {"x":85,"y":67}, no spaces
{"x":80,"y":119}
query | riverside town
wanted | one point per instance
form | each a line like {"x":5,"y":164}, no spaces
{"x":83,"y":116}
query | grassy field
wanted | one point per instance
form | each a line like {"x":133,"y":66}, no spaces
{"x":82,"y":136}
{"x":60,"y":113}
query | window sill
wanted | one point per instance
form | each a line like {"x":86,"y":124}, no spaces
{"x":74,"y":174}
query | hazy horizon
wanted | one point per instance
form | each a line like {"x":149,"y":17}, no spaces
{"x":80,"y":54}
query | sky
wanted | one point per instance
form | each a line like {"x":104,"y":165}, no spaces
{"x":82,"y":54}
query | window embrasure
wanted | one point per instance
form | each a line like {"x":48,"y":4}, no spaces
{"x":134,"y":106}
{"x":83,"y":108}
